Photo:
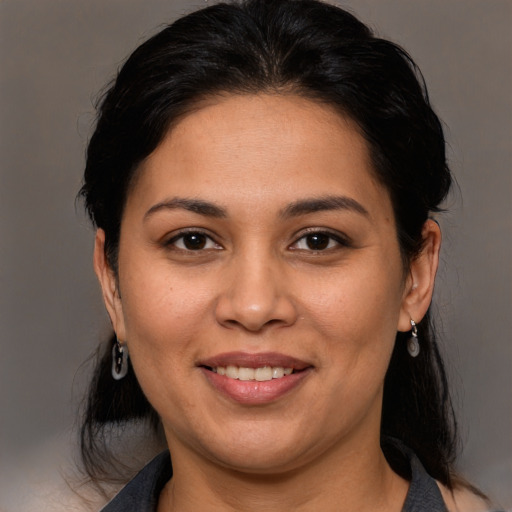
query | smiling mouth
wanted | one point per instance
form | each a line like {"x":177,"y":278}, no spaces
{"x":255,"y":379}
{"x":261,"y":374}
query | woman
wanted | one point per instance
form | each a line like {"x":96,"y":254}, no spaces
{"x":262,"y":177}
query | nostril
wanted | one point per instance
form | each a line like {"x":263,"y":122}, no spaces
{"x":255,"y":307}
{"x":252,"y":325}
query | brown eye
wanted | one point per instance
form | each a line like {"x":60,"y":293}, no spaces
{"x":193,"y":241}
{"x":318,"y":241}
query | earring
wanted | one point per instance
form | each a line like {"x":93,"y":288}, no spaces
{"x":413,"y":345}
{"x":119,"y":360}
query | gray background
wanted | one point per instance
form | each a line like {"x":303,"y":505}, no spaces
{"x":55,"y":55}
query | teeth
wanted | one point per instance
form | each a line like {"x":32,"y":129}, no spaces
{"x":259,"y":374}
{"x":232,"y":372}
{"x":264,"y":373}
{"x":245,"y":373}
{"x":277,"y":372}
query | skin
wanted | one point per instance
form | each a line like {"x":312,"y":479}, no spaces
{"x":257,"y":286}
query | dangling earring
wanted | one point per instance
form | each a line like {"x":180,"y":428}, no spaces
{"x":413,"y":345}
{"x":119,"y":360}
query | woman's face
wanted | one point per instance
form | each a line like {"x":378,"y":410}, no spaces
{"x":256,"y":242}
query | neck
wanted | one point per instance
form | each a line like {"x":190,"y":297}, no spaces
{"x":355,"y":478}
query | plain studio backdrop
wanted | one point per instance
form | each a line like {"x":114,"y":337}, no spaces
{"x":56,"y":55}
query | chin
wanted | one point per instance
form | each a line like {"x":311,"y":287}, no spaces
{"x":260,"y":452}
{"x":258,"y":462}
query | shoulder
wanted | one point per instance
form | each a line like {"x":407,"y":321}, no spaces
{"x":463,"y":500}
{"x":141,"y":492}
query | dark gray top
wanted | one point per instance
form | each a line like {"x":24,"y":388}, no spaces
{"x":141,"y":493}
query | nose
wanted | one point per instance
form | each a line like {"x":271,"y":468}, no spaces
{"x":255,"y":295}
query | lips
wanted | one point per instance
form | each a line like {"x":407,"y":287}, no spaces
{"x":244,"y":359}
{"x":254,"y":378}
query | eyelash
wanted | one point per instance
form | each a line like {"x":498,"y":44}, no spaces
{"x":333,"y":240}
{"x":173,"y":242}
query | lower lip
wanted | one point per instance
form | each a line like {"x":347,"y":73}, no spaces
{"x":252,"y":392}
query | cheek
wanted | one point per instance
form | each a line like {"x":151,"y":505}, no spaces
{"x":163,"y":317}
{"x":358,"y":301}
{"x":162,"y":310}
{"x":356,"y":316}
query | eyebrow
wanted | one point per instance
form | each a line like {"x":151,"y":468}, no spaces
{"x":325,"y":203}
{"x":192,"y":205}
{"x":295,"y":209}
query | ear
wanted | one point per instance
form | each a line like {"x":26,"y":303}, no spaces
{"x":109,"y":286}
{"x":419,"y":285}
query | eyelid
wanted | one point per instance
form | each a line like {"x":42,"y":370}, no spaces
{"x":171,"y":241}
{"x":340,"y":238}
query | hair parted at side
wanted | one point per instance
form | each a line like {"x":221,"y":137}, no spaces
{"x":302,"y":47}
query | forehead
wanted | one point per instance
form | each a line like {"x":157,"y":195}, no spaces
{"x":265,"y":121}
{"x":243,"y":145}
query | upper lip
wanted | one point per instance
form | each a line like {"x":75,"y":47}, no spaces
{"x":257,"y":360}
